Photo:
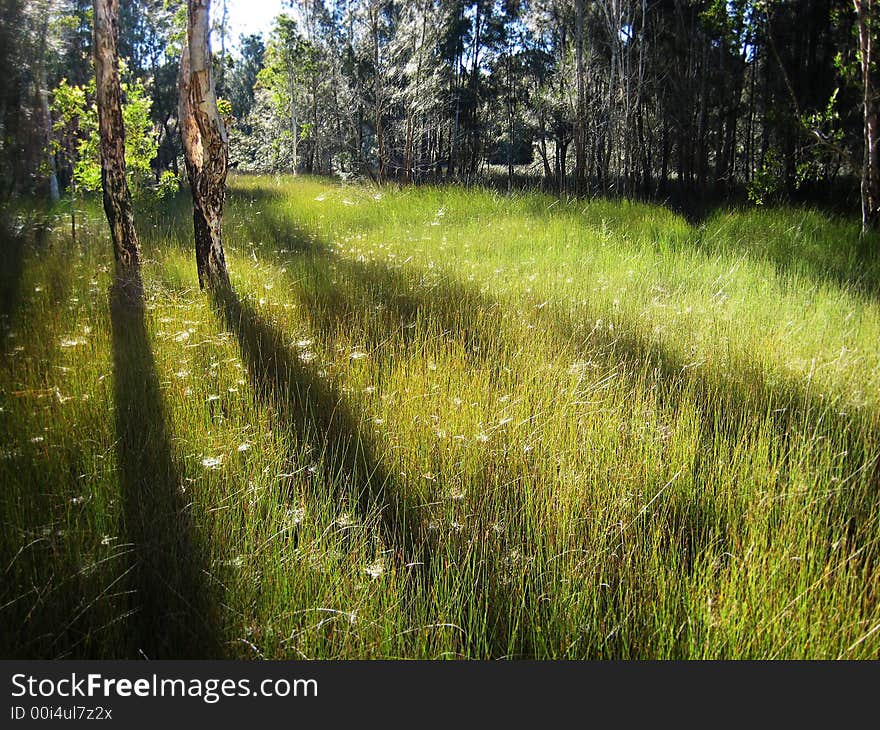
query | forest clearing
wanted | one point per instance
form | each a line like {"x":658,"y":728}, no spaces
{"x":441,"y":423}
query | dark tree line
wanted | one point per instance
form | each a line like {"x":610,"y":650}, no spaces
{"x":770,"y":98}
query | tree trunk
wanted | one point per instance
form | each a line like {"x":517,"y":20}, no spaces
{"x":580,"y":134}
{"x":378,"y":96}
{"x":205,"y":146}
{"x":117,"y":198}
{"x":510,"y":118}
{"x":43,"y":92}
{"x":866,"y":11}
{"x":542,"y":149}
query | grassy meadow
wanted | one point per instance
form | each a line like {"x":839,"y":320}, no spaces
{"x":441,"y":423}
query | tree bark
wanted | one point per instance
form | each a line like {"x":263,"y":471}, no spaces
{"x":866,"y":12}
{"x":43,"y":92}
{"x":205,"y":146}
{"x":580,"y":134}
{"x":117,"y":198}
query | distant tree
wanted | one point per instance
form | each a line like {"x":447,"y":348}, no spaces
{"x":674,"y":98}
{"x":152,"y":33}
{"x":243,"y":76}
{"x":108,"y":92}
{"x":278,"y":124}
{"x":205,"y":146}
{"x":868,"y":14}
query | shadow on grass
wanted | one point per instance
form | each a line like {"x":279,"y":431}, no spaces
{"x":314,"y":410}
{"x":349,"y":300}
{"x":733,"y":407}
{"x":15,"y":238}
{"x":822,"y":248}
{"x":390,"y":312}
{"x":817,"y":243}
{"x":175,"y":608}
{"x":381,"y":302}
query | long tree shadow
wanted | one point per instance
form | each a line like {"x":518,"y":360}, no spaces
{"x":15,"y":237}
{"x":823,"y":245}
{"x":734,"y":406}
{"x":314,"y":410}
{"x":391,"y":311}
{"x":346,"y":298}
{"x":380,"y":301}
{"x":175,"y":611}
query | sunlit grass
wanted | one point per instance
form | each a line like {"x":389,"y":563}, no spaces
{"x":444,"y":423}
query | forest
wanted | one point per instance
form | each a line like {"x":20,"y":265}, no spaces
{"x":443,"y":329}
{"x":686,"y":101}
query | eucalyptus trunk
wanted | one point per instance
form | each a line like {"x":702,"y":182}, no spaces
{"x":867,"y":11}
{"x":580,"y":130}
{"x":117,"y":198}
{"x":205,"y":145}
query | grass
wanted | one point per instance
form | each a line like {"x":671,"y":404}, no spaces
{"x":441,"y":423}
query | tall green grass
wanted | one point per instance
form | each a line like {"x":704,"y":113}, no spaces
{"x":443,"y":423}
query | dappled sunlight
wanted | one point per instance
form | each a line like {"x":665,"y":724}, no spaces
{"x":444,"y":423}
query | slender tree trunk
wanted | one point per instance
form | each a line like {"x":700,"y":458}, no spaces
{"x":542,"y":149}
{"x":664,"y":160}
{"x":580,"y":130}
{"x":377,"y":111}
{"x":43,"y":91}
{"x":224,"y":18}
{"x":510,"y":118}
{"x":117,"y":198}
{"x":315,"y":150}
{"x":205,"y":146}
{"x":294,"y":124}
{"x":453,"y":138}
{"x":473,"y":105}
{"x":866,"y":11}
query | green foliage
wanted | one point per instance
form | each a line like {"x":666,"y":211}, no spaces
{"x":168,"y":185}
{"x":286,"y":63}
{"x":767,"y":182}
{"x":829,"y":149}
{"x":224,"y":107}
{"x":77,"y":137}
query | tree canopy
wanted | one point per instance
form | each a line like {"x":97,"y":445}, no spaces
{"x":670,"y":98}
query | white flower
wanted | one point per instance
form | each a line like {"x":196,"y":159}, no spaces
{"x":212,"y":462}
{"x":375,"y":570}
{"x":296,"y":515}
